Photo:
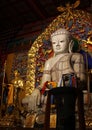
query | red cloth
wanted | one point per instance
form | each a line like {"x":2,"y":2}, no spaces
{"x":44,"y":87}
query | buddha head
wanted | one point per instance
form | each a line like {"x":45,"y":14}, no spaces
{"x":16,"y":73}
{"x":62,"y":41}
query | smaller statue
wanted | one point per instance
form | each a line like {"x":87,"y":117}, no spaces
{"x":17,"y":81}
{"x":15,"y":88}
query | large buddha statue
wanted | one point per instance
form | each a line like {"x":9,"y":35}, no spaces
{"x":64,"y":61}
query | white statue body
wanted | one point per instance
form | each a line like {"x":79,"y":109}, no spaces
{"x":63,"y":62}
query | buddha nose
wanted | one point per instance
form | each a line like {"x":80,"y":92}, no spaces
{"x":58,"y":43}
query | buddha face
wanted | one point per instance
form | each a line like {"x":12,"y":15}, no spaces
{"x":60,"y":43}
{"x":16,"y":73}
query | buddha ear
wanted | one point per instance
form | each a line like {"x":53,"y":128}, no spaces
{"x":71,"y":44}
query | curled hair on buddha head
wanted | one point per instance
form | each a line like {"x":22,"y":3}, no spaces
{"x":62,"y":31}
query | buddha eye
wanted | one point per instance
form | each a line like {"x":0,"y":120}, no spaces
{"x":53,"y":42}
{"x":61,"y":41}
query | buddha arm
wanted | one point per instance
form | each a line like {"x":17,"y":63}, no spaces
{"x":46,"y":74}
{"x":79,"y":69}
